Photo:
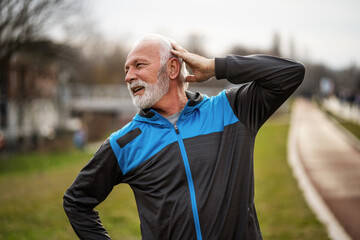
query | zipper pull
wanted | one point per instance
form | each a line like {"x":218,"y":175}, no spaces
{"x":176,"y":129}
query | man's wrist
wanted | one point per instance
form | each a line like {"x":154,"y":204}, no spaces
{"x":211,"y":67}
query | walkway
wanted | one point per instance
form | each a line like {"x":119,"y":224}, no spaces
{"x":327,"y":167}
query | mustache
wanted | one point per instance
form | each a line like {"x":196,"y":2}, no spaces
{"x":137,"y":83}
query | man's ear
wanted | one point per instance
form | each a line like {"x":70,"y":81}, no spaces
{"x":173,"y":68}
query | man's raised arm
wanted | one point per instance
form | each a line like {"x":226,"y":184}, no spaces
{"x":267,"y":81}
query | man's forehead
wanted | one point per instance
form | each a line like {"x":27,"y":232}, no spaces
{"x":136,"y":58}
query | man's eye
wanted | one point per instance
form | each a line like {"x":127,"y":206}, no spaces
{"x":139,"y":64}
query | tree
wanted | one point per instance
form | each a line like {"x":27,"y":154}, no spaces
{"x":276,"y":44}
{"x":348,"y":83}
{"x":25,"y":20}
{"x":21,"y":22}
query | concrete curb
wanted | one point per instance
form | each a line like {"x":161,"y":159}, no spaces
{"x":312,"y":196}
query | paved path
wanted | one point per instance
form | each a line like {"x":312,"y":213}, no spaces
{"x":328,"y":170}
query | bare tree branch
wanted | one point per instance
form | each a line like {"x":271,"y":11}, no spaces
{"x":25,"y":20}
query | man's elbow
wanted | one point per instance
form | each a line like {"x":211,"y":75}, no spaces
{"x":67,"y":204}
{"x":300,"y":70}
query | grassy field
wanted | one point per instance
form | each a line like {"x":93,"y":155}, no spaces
{"x":282,"y":211}
{"x":32,"y":187}
{"x":352,"y":127}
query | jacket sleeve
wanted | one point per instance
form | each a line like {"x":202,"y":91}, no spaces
{"x":266,"y":82}
{"x":93,"y":184}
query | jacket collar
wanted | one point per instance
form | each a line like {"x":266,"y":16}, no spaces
{"x":194,"y":99}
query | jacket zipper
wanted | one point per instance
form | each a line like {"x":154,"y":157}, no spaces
{"x":176,"y":129}
{"x":190,"y":182}
{"x":188,"y":176}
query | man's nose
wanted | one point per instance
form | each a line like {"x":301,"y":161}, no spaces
{"x":130,"y":76}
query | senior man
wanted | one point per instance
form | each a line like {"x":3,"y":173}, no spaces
{"x":187,"y":157}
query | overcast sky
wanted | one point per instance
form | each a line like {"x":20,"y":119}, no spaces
{"x":325,"y":31}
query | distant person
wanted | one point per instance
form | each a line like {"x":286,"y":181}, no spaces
{"x":357,"y":99}
{"x":2,"y":140}
{"x":80,"y":137}
{"x":187,"y":157}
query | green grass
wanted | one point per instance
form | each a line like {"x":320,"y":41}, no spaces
{"x":282,"y":211}
{"x":33,"y":162}
{"x":350,"y":126}
{"x":32,"y":187}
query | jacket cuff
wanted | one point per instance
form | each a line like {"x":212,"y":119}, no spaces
{"x":220,"y":68}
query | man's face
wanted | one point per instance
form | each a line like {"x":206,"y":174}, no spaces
{"x":146,"y":80}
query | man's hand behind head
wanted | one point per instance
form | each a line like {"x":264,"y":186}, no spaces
{"x":202,"y":68}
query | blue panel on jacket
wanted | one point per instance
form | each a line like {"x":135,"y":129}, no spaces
{"x":211,"y":116}
{"x":149,"y":142}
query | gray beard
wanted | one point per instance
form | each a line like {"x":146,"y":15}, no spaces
{"x":152,"y":92}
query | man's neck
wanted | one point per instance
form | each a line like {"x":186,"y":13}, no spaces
{"x":174,"y":101}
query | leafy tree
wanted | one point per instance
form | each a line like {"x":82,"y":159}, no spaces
{"x":23,"y":22}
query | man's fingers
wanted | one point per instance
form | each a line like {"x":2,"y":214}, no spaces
{"x":177,"y":47}
{"x":177,"y":53}
{"x":190,"y":78}
{"x":178,"y":50}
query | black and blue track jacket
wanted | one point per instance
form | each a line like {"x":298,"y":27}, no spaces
{"x":194,"y":180}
